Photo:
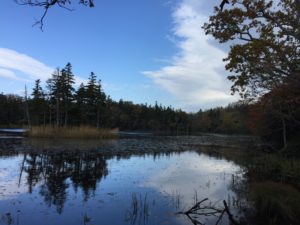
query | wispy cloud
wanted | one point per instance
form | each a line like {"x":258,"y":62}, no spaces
{"x":195,"y":75}
{"x":13,"y":63}
{"x":8,"y":74}
{"x":11,"y":60}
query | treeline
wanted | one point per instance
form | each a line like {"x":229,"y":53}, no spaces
{"x":59,"y":103}
{"x":232,"y":119}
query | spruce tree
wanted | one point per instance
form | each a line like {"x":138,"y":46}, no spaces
{"x":54,"y":93}
{"x":95,"y":99}
{"x":67,"y":90}
{"x":38,"y":104}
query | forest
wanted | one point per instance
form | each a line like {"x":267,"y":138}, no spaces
{"x":60,"y":104}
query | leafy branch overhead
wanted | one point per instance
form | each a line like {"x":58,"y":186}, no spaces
{"x":267,"y":51}
{"x":47,"y":4}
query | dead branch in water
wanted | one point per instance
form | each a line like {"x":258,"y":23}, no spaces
{"x":202,"y":210}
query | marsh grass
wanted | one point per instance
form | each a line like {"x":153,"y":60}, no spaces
{"x":276,"y":203}
{"x":80,"y":132}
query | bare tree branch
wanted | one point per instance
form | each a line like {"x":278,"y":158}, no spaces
{"x":223,"y":3}
{"x":208,"y":210}
{"x":47,"y":4}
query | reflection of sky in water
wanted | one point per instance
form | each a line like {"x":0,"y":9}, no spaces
{"x":192,"y":172}
{"x":160,"y":178}
{"x":193,"y":177}
{"x":9,"y":174}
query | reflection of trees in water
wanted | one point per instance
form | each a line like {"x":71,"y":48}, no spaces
{"x":57,"y":171}
{"x":88,"y":170}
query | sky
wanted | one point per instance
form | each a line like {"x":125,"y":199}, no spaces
{"x":143,"y":51}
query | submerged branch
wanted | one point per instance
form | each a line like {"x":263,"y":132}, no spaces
{"x":209,"y":210}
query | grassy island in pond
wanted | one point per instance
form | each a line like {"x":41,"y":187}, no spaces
{"x":85,"y":132}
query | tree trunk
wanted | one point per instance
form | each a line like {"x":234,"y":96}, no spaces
{"x":66,"y":113}
{"x":44,"y":118}
{"x":50,"y":116}
{"x":66,"y":119}
{"x":283,"y":132}
{"x":27,"y":108}
{"x":57,"y":112}
{"x":98,"y":118}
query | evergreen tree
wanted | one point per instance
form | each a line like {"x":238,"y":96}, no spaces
{"x":67,"y":90}
{"x":54,"y":87}
{"x":95,"y":99}
{"x":100,"y":103}
{"x":38,"y":104}
{"x":61,"y":93}
{"x":81,"y":105}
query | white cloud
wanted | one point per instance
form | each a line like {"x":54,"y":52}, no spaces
{"x":4,"y":73}
{"x":34,"y":69}
{"x":13,"y":62}
{"x":195,"y":76}
{"x":8,"y":74}
{"x":193,"y":172}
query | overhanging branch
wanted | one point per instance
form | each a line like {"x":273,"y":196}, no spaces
{"x":47,"y":4}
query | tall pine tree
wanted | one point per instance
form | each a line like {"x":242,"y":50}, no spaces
{"x":38,"y":104}
{"x":95,"y":100}
{"x":67,"y":90}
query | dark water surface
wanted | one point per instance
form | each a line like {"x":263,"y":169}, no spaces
{"x":143,"y":180}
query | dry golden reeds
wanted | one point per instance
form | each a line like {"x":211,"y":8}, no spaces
{"x":77,"y":132}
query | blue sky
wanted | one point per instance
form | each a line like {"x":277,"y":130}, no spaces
{"x":143,"y":51}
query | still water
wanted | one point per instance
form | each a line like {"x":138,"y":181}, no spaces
{"x":126,"y":181}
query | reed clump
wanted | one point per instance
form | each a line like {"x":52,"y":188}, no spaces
{"x":76,"y":132}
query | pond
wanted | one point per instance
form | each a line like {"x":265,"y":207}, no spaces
{"x":140,"y":180}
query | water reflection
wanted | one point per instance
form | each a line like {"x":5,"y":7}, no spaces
{"x":54,"y":172}
{"x":133,"y":185}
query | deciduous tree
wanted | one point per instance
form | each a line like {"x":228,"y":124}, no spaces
{"x":267,"y":47}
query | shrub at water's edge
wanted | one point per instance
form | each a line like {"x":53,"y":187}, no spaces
{"x":85,"y":132}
